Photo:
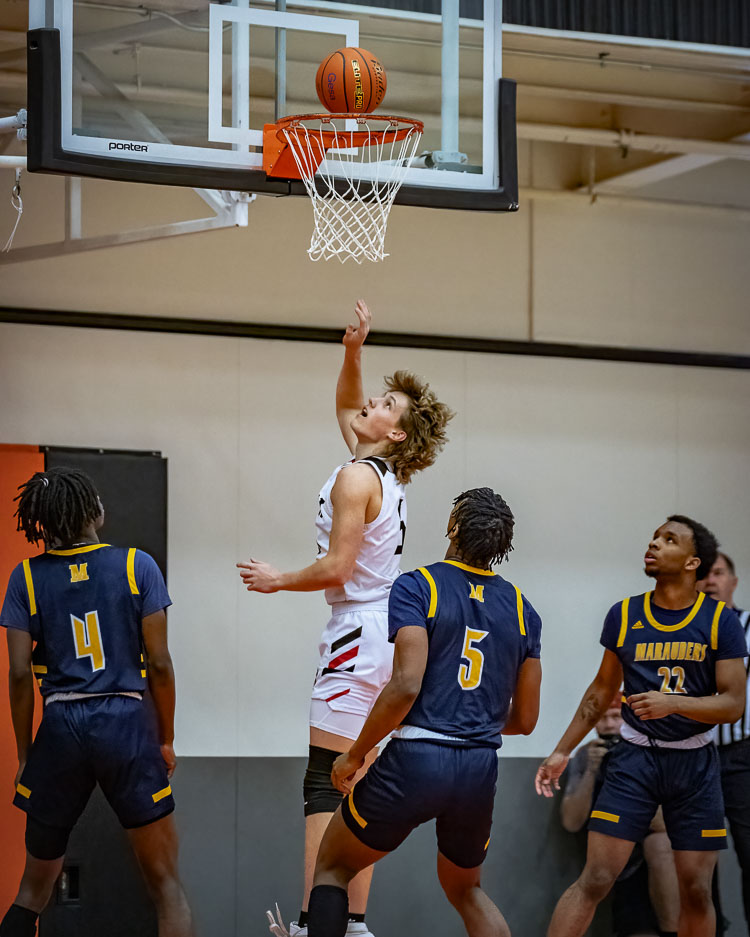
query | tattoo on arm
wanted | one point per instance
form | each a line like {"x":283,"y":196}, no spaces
{"x":590,"y":709}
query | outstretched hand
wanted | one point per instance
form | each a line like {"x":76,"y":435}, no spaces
{"x":259,"y":576}
{"x":343,"y":771}
{"x":356,"y":334}
{"x":547,"y":779}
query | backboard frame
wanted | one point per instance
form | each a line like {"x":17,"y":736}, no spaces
{"x":48,"y":152}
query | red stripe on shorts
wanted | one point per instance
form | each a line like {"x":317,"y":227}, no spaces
{"x":336,"y":695}
{"x":343,"y":658}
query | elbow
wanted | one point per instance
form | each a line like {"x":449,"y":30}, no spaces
{"x":339,"y":575}
{"x":738,"y":710}
{"x":406,"y":690}
{"x":19,"y":676}
{"x":160,"y":669}
{"x":526,"y":722}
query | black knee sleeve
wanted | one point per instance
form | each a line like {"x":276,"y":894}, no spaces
{"x":328,"y":912}
{"x":45,"y":842}
{"x":320,"y":794}
{"x":18,"y":922}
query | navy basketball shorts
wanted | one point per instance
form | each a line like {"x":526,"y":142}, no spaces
{"x":109,"y":740}
{"x":686,"y":782}
{"x":414,"y":781}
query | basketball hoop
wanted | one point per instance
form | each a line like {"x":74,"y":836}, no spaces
{"x":351,"y":176}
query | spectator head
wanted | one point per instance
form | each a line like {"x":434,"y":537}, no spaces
{"x":721,"y":580}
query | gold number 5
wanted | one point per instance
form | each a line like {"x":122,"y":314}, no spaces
{"x":470,"y":672}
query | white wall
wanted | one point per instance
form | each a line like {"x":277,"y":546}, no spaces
{"x":590,"y":455}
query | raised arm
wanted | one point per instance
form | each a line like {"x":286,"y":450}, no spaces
{"x":592,"y":707}
{"x":355,"y":488}
{"x":161,"y":682}
{"x":394,"y":702}
{"x":524,"y":707}
{"x":350,"y":397}
{"x":21,"y":686}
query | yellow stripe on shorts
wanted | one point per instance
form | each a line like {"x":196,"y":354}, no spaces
{"x":23,"y":791}
{"x":708,"y":833}
{"x":160,"y":795}
{"x":355,"y":813}
{"x":601,"y":815}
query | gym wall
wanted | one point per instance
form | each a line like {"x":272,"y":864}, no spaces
{"x":591,"y":456}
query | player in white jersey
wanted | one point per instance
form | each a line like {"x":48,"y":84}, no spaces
{"x":361,"y":526}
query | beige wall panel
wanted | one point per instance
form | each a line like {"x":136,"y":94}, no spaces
{"x":448,"y":272}
{"x":714,"y":441}
{"x":642,"y":277}
{"x":177,"y":394}
{"x":588,"y":478}
{"x":289,"y":445}
{"x":591,"y":457}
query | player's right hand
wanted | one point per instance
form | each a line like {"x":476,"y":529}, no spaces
{"x":356,"y":334}
{"x":343,"y":771}
{"x":170,"y":759}
{"x":547,"y":779}
{"x":21,"y":766}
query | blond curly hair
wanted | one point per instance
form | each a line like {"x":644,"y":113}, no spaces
{"x":424,"y":422}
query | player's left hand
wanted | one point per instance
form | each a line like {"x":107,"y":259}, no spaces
{"x":652,"y":705}
{"x":259,"y":576}
{"x":343,"y":771}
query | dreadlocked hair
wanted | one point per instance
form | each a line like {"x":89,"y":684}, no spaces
{"x":424,"y":423}
{"x":485,"y":527}
{"x":55,"y":506}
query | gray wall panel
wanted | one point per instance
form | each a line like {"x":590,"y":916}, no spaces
{"x":241,"y":829}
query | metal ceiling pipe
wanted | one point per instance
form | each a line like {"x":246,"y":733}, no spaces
{"x":627,"y":140}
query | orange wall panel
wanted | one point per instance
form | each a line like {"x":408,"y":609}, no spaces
{"x":17,"y":463}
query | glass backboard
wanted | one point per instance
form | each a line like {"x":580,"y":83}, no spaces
{"x":178,"y":91}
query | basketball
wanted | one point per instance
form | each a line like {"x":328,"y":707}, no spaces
{"x":349,"y":80}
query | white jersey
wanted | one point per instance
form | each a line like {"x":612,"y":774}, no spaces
{"x":377,"y":564}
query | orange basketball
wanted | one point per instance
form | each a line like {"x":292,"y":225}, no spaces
{"x":350,"y":80}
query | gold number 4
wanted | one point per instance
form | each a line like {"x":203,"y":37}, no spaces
{"x":87,"y":637}
{"x":470,"y":671}
{"x":666,"y":674}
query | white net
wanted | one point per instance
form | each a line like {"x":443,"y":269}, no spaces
{"x":353,"y":188}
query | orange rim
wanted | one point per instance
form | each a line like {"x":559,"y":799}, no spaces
{"x":396,"y":128}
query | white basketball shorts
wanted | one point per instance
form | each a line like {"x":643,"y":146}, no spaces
{"x":356,"y":662}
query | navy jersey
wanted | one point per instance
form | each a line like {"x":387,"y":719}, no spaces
{"x":480,"y":630}
{"x":672,"y":651}
{"x":83,"y":609}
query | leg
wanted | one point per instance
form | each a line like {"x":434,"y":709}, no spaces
{"x":39,"y":877}
{"x":340,"y":858}
{"x":605,"y":859}
{"x":694,"y":872}
{"x":35,"y":890}
{"x":316,"y":824}
{"x":45,"y":853}
{"x":462,"y":888}
{"x":155,"y":847}
{"x":735,"y":782}
{"x":663,"y":886}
